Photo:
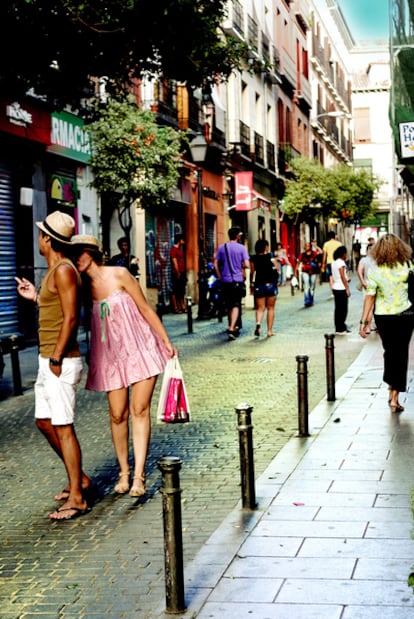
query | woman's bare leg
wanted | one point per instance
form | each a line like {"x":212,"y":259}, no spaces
{"x":118,"y":415}
{"x":140,"y":405}
{"x":260,"y":308}
{"x":270,"y":304}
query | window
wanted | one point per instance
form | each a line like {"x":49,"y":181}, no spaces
{"x":362,"y":124}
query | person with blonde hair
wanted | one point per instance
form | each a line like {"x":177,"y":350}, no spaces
{"x":387,"y":293}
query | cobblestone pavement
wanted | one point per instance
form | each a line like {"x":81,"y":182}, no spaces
{"x":110,"y":562}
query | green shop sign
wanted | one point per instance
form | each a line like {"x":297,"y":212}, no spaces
{"x":68,"y":137}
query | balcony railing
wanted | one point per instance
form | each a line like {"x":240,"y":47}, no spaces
{"x":270,"y":155}
{"x":245,"y":139}
{"x":258,"y":148}
{"x":288,"y":68}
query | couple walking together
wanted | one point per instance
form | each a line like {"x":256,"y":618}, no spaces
{"x":129,"y":348}
{"x":231,"y":263}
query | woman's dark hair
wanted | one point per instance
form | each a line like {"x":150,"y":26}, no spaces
{"x":95,"y":254}
{"x":340,"y":252}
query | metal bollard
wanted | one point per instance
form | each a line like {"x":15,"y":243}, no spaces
{"x":14,"y":355}
{"x":189,"y":314}
{"x":245,"y":429}
{"x":302,"y":372}
{"x":330,"y":367}
{"x":173,"y":541}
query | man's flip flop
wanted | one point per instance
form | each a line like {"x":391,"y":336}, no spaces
{"x":78,"y":512}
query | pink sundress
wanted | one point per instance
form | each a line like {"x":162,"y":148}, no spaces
{"x":124,"y":347}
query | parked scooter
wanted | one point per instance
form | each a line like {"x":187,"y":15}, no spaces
{"x":214,"y":296}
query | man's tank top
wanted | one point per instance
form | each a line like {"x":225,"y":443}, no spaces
{"x":51,"y":318}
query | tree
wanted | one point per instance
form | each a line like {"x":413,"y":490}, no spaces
{"x":56,"y":46}
{"x":132,"y":155}
{"x":339,"y":192}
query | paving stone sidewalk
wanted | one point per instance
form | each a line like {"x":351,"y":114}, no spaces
{"x":110,"y":563}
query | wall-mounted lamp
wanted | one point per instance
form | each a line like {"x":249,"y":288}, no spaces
{"x":333,"y":114}
{"x":26,"y":196}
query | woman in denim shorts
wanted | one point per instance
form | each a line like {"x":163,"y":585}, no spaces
{"x":264,"y":276}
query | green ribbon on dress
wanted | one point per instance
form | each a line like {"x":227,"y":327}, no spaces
{"x":104,"y":312}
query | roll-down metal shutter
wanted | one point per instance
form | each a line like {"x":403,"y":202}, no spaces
{"x":8,"y":293}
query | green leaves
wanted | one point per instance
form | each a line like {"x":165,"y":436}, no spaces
{"x":133,"y":155}
{"x":329,"y":192}
{"x":119,"y":39}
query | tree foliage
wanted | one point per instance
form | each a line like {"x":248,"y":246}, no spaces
{"x":339,"y":192}
{"x":55,"y":46}
{"x":133,"y":155}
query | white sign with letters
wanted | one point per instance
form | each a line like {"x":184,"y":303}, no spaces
{"x":407,"y":140}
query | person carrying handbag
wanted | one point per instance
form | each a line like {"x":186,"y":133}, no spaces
{"x":264,"y":276}
{"x":230,"y":263}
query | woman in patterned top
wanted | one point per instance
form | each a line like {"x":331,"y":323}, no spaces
{"x":387,"y":293}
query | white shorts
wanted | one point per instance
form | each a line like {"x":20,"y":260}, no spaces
{"x":55,"y":397}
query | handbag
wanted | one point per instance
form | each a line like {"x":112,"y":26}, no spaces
{"x":239,"y":286}
{"x":410,"y":282}
{"x":173,"y":401}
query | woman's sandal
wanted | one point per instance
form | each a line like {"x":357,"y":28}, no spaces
{"x":122,"y":487}
{"x":396,"y":408}
{"x":137,"y":489}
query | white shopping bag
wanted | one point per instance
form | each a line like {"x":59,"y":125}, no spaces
{"x":173,"y":404}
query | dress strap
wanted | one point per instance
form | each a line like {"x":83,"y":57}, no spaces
{"x":104,"y":311}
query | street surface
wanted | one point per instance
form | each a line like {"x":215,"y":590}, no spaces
{"x":110,"y":562}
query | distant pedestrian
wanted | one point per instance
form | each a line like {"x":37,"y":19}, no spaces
{"x":178,"y":274}
{"x":264,"y":276}
{"x":387,"y":293}
{"x":328,"y":249}
{"x":60,"y":363}
{"x":364,"y":267}
{"x":230,"y":263}
{"x":124,"y":258}
{"x":340,"y":288}
{"x":129,"y":348}
{"x":283,"y":260}
{"x":308,"y":266}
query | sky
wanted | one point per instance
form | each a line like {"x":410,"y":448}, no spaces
{"x":366,"y":19}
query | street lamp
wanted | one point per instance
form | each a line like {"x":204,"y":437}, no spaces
{"x":332,"y":114}
{"x":198,"y":148}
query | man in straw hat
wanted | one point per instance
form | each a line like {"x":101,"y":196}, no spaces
{"x":60,"y":363}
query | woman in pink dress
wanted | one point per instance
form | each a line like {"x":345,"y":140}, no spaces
{"x":129,"y":348}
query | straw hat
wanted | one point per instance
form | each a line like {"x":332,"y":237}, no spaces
{"x":59,"y":226}
{"x":86,"y":241}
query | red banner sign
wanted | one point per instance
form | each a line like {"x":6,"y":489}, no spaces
{"x":243,"y":191}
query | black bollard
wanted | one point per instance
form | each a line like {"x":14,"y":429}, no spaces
{"x":330,"y":367}
{"x":173,"y":540}
{"x":14,"y":355}
{"x":245,"y":429}
{"x":189,"y":314}
{"x":302,"y":372}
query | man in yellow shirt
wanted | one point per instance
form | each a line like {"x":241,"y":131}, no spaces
{"x":328,"y":251}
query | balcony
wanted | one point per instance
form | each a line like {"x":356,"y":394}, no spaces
{"x":301,"y":10}
{"x":288,"y":68}
{"x":270,"y":155}
{"x":258,"y":148}
{"x":245,"y":140}
{"x":305,"y":92}
{"x":233,"y":25}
